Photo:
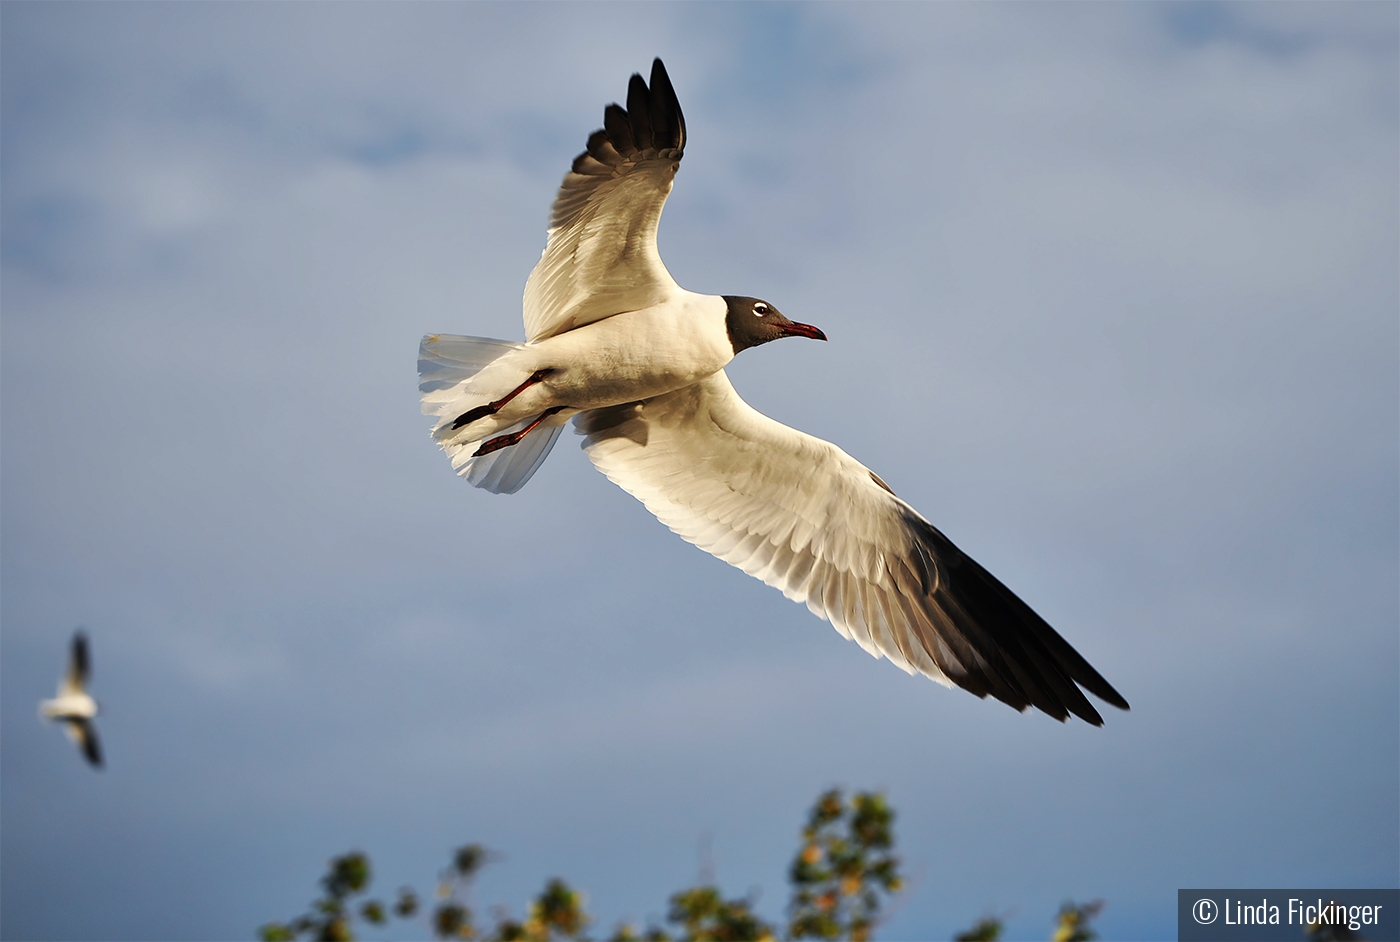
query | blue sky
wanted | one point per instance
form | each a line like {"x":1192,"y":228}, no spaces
{"x":1112,"y":296}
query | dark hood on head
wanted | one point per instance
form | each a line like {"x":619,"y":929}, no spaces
{"x":752,"y":321}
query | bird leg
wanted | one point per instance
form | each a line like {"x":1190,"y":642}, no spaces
{"x":514,"y":438}
{"x":491,"y":408}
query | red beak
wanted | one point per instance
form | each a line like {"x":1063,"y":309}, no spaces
{"x":794,"y":329}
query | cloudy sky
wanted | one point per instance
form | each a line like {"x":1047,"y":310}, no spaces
{"x":1112,"y":298}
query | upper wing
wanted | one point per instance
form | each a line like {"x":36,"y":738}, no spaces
{"x":808,"y":519}
{"x":79,"y":666}
{"x":601,"y":258}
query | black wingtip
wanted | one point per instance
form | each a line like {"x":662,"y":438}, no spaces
{"x":87,"y":742}
{"x":1112,"y":697}
{"x":82,"y":659}
{"x":1027,"y":663}
{"x":650,"y":126}
{"x":639,"y":112}
{"x":667,"y":120}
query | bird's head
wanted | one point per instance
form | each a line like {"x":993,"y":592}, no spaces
{"x":752,"y":322}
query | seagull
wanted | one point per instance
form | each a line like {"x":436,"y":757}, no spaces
{"x":637,"y":362}
{"x":73,"y":707}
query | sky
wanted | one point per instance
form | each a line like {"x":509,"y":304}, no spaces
{"x":1112,"y":295}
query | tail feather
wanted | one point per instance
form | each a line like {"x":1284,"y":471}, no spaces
{"x":447,"y":364}
{"x":445,"y":361}
{"x":506,"y":471}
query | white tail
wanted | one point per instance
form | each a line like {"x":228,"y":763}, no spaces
{"x":446,"y":365}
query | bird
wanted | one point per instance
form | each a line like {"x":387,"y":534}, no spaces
{"x":637,"y":362}
{"x":74,"y":707}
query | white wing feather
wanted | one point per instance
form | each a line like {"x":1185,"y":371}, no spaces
{"x":786,"y":507}
{"x":808,"y":519}
{"x":601,"y":258}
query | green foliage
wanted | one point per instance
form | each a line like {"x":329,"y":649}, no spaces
{"x":406,"y":906}
{"x":986,"y":929}
{"x":348,"y":875}
{"x":708,"y":917}
{"x":557,"y":913}
{"x":466,"y":861}
{"x":372,"y":912}
{"x":845,"y":869}
{"x":1072,"y":923}
{"x":331,"y":916}
{"x":624,"y":933}
{"x":842,"y":876}
{"x":452,"y":916}
{"x":451,"y":919}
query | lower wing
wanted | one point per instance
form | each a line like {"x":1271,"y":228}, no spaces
{"x":808,"y":519}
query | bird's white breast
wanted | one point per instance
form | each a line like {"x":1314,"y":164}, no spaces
{"x":638,"y":354}
{"x":74,"y":705}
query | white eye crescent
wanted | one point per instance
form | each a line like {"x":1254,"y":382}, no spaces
{"x":760,"y":309}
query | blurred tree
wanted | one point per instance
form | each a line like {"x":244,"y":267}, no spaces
{"x":452,"y":917}
{"x":331,"y":915}
{"x":845,"y":869}
{"x":842,"y":876}
{"x":986,"y":929}
{"x":1072,"y":923}
{"x":708,"y":917}
{"x":557,"y":913}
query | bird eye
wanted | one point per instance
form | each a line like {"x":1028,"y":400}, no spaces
{"x":760,"y":309}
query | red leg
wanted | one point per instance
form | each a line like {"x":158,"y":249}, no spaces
{"x":491,"y":408}
{"x":514,"y":438}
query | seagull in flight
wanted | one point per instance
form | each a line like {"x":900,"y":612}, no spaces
{"x":637,"y":362}
{"x":73,"y":707}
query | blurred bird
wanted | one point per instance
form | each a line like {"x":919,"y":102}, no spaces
{"x":638,"y":362}
{"x":73,"y":707}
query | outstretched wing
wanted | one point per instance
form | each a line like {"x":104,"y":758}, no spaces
{"x":808,"y":519}
{"x":79,"y":666}
{"x":601,"y":257}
